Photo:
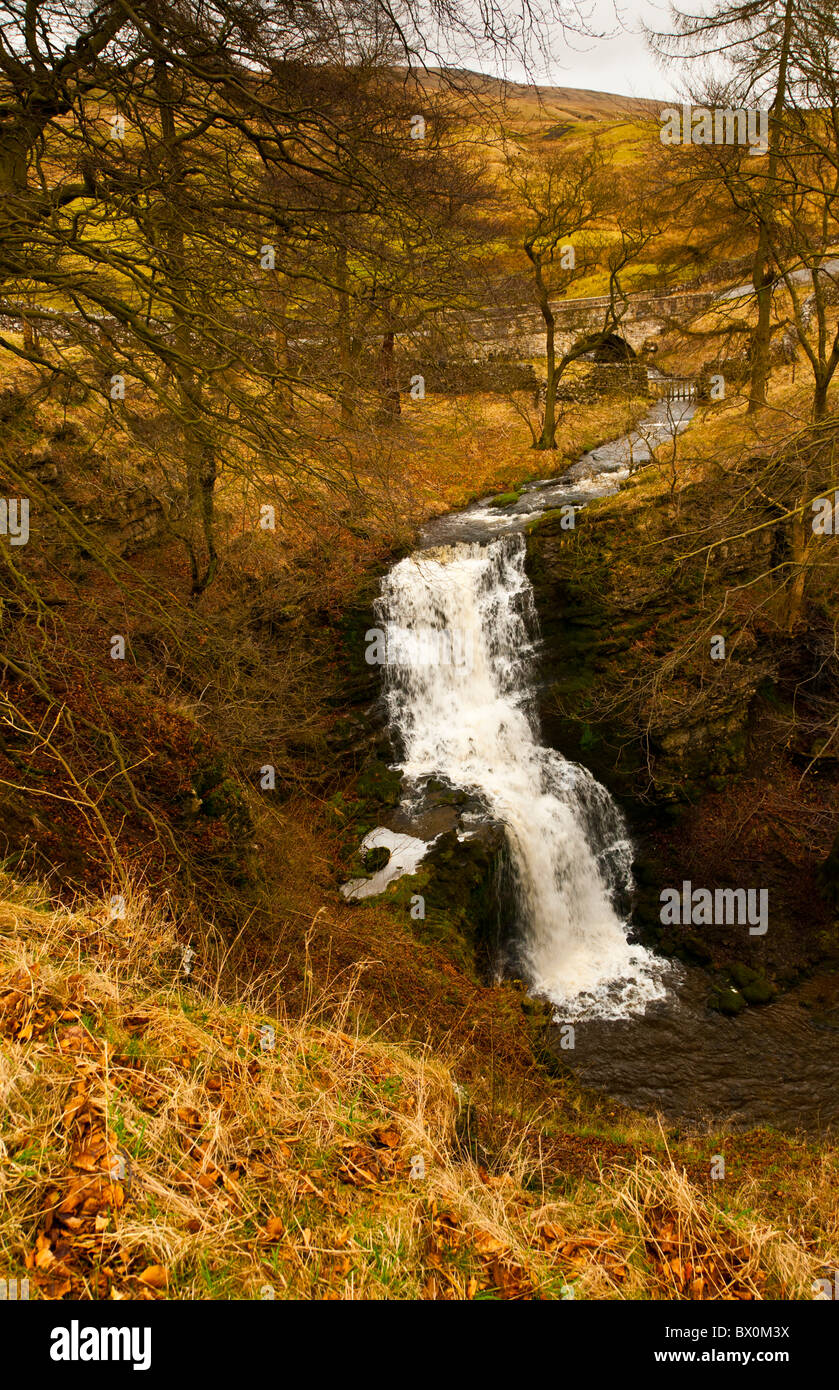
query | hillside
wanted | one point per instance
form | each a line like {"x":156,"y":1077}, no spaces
{"x":286,"y":371}
{"x":161,"y":1141}
{"x":542,"y":102}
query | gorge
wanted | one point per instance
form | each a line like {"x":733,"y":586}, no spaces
{"x":461,"y":636}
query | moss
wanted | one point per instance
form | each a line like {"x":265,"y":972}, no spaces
{"x":760,"y":991}
{"x":209,"y":775}
{"x":452,"y":798}
{"x":379,"y":784}
{"x":695,"y":949}
{"x":225,"y":802}
{"x":754,"y":987}
{"x":727,"y":1000}
{"x":742,"y":975}
{"x":463,"y":885}
{"x":375,"y":859}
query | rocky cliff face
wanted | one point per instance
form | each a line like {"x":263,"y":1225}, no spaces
{"x":700,"y":749}
{"x":628,"y":681}
{"x":668,"y":674}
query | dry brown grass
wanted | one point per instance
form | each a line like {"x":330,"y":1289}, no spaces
{"x":153,"y":1146}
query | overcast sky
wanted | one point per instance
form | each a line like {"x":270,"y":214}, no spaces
{"x":620,"y":63}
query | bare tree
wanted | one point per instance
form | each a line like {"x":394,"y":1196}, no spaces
{"x":755,"y":45}
{"x":574,"y":219}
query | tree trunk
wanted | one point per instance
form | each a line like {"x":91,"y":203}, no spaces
{"x":760,"y":272}
{"x":820,"y":400}
{"x":345,"y":340}
{"x":201,"y":474}
{"x":199,"y":451}
{"x":282,"y":359}
{"x":795,"y":590}
{"x":801,"y":548}
{"x":759,"y":353}
{"x":30,"y":336}
{"x":389,"y":392}
{"x":547,"y":439}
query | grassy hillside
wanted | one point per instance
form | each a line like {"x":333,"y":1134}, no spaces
{"x":221,"y":1080}
{"x":163,"y":1139}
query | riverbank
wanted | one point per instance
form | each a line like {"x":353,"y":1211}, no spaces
{"x":669,"y":667}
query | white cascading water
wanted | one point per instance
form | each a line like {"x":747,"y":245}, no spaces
{"x":460,"y":627}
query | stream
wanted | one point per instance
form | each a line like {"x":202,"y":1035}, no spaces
{"x":461,"y":635}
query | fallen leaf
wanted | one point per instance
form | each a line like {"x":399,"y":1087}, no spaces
{"x":190,"y":1117}
{"x":387,"y":1136}
{"x":485,"y":1244}
{"x":155,"y":1277}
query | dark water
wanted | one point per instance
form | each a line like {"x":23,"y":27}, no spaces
{"x":774,"y":1065}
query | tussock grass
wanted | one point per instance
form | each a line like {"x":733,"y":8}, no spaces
{"x":159,"y":1141}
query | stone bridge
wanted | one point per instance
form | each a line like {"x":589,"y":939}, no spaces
{"x":518,"y":331}
{"x":511,"y":330}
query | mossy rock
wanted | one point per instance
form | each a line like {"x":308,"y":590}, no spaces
{"x":452,"y":798}
{"x":375,"y":859}
{"x":760,"y":991}
{"x":742,"y":975}
{"x":380,"y":784}
{"x":696,"y":949}
{"x":727,"y":1000}
{"x":539,"y":1011}
{"x":648,"y":873}
{"x":504,"y":499}
{"x":462,"y":882}
{"x":754,"y":987}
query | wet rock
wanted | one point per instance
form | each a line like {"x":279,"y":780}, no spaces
{"x":375,"y":859}
{"x":467,"y":880}
{"x":537,"y":1010}
{"x":426,"y":824}
{"x":594,"y":638}
{"x":379,"y":784}
{"x":760,"y":991}
{"x":754,"y":987}
{"x":696,"y":949}
{"x":727,"y":1000}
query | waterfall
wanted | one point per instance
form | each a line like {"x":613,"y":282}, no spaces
{"x":460,"y":629}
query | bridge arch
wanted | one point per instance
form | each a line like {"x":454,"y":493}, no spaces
{"x":612,"y":350}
